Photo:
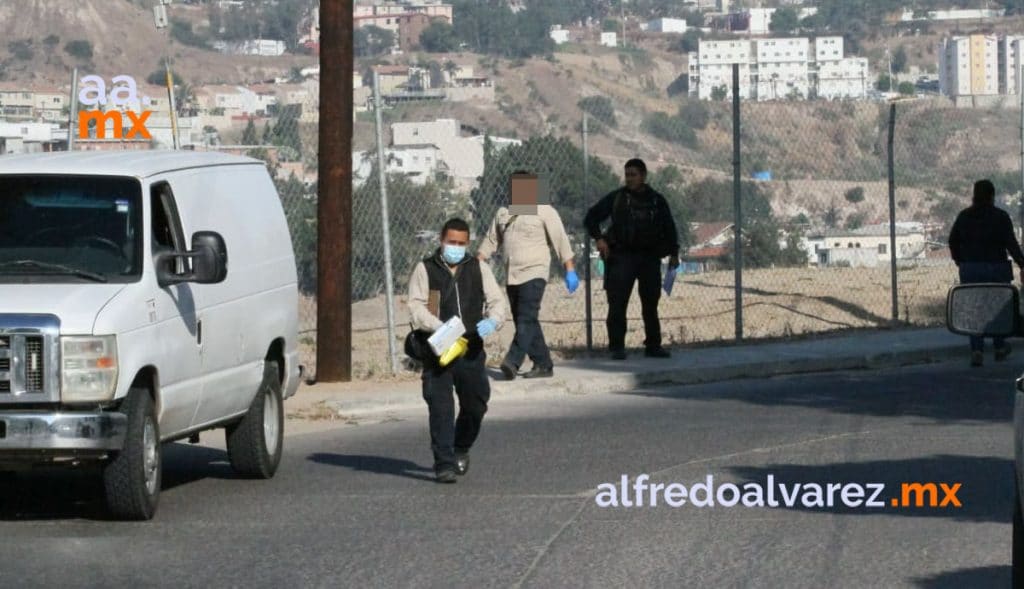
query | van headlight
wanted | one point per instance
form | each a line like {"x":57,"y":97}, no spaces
{"x":88,"y":370}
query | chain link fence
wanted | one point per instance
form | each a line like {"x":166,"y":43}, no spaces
{"x":815,"y":198}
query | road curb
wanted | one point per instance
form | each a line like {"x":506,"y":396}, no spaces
{"x":604,"y":383}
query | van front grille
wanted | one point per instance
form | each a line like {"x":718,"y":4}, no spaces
{"x":34,"y":364}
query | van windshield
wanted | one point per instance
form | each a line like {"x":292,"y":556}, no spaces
{"x":70,"y":229}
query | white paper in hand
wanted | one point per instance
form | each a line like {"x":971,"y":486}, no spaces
{"x":446,"y":335}
{"x":670,"y":279}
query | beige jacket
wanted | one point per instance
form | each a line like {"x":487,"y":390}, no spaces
{"x":526,"y":242}
{"x":423,"y":310}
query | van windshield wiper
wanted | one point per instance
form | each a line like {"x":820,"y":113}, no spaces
{"x":55,"y":269}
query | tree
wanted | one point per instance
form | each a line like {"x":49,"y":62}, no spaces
{"x":249,"y":134}
{"x":451,"y":68}
{"x":267,"y":135}
{"x":439,"y":37}
{"x":899,"y":60}
{"x":694,"y":113}
{"x":784,"y":20}
{"x":181,"y":31}
{"x":855,"y":194}
{"x":79,"y":48}
{"x":907,"y":88}
{"x":21,"y":49}
{"x":669,"y":128}
{"x":832,"y":216}
{"x":370,"y":41}
{"x":884,"y":83}
{"x":599,"y":107}
{"x":719,"y":93}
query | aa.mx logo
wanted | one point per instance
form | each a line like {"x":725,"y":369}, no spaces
{"x":123,"y":93}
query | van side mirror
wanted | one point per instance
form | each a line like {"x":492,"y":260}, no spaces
{"x":209,"y":261}
{"x":989,"y":310}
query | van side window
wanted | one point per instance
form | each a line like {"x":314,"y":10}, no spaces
{"x":166,"y":231}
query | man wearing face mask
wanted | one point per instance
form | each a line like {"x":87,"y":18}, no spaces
{"x":443,"y":285}
{"x":642,"y":232}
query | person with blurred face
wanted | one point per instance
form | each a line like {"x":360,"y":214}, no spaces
{"x":447,"y":284}
{"x":642,"y":232}
{"x":525,"y":232}
{"x":979,"y":241}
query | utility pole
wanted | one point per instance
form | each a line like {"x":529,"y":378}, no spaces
{"x":334,"y":207}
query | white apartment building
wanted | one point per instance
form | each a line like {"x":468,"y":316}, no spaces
{"x":778,"y":68}
{"x":783,"y":68}
{"x":969,"y":66}
{"x":1010,"y":50}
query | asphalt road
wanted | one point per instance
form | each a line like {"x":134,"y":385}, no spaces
{"x":355,"y":506}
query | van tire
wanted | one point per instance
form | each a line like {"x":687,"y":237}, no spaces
{"x":130,"y":493}
{"x":248,"y":439}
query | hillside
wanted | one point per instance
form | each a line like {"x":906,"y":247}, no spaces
{"x":124,"y":40}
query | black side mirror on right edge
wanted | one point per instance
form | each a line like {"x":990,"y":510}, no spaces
{"x":988,"y":309}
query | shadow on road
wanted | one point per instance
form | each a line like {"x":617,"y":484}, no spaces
{"x":374,"y":464}
{"x":958,"y":395}
{"x":68,"y":494}
{"x":990,"y":576}
{"x":986,"y":494}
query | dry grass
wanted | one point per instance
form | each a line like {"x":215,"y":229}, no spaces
{"x":777,"y":303}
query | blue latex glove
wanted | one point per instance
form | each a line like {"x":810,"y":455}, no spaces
{"x":486,"y":327}
{"x":572,"y":281}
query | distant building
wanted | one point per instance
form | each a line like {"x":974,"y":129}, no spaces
{"x":30,"y":137}
{"x":609,"y":40}
{"x":866,"y":246}
{"x":959,"y":14}
{"x":558,"y":34}
{"x":969,"y":66}
{"x":778,"y":68}
{"x":667,"y":25}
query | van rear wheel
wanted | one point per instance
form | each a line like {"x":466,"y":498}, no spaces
{"x":131,"y":479}
{"x":255,"y":442}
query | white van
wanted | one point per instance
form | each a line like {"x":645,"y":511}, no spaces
{"x":144,"y":297}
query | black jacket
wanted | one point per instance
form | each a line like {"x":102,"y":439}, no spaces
{"x":984,"y":234}
{"x":620,"y":205}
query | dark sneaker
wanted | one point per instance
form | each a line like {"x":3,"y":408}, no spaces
{"x":618,"y":354}
{"x":1002,"y":353}
{"x":540,"y":372}
{"x":461,"y":463}
{"x":508,"y":370}
{"x":977,"y":359}
{"x":446,"y":475}
{"x":658,"y":352}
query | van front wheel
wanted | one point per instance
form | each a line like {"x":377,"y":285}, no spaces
{"x":255,"y":442}
{"x":132,"y":478}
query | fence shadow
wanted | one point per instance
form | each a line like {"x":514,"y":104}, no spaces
{"x":990,"y":576}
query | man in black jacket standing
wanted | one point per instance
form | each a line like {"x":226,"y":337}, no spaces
{"x":981,"y":237}
{"x":642,"y":232}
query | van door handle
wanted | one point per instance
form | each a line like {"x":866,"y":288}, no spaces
{"x":199,"y":332}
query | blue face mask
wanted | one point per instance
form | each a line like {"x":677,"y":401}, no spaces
{"x":453,"y":254}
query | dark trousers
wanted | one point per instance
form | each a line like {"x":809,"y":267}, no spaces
{"x":525,"y":300}
{"x":448,"y":434}
{"x":621,"y":272}
{"x":974,"y":272}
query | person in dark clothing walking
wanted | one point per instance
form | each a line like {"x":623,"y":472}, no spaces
{"x":642,"y":232}
{"x":446,"y":284}
{"x":981,"y":237}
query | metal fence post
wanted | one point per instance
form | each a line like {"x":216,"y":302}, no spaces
{"x":386,"y":224}
{"x":73,"y":111}
{"x":586,"y":242}
{"x":1020,"y":92}
{"x":892,"y":214}
{"x":737,"y":207}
